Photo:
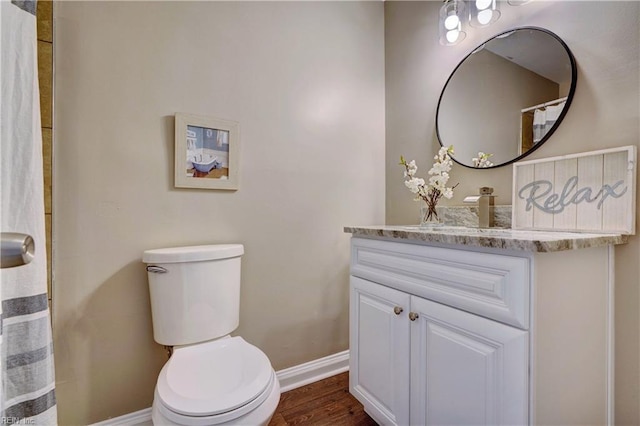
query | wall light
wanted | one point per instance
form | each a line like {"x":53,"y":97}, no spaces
{"x":483,"y":12}
{"x":454,"y":17}
{"x":451,"y":25}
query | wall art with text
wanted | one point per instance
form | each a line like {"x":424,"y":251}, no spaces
{"x":588,"y":192}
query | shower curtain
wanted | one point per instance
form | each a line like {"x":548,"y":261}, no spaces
{"x":544,"y":119}
{"x":26,"y":349}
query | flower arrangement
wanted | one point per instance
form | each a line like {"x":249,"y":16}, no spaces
{"x":482,"y":161}
{"x":436,"y":188}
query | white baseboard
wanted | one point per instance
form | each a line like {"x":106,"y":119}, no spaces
{"x":313,"y":371}
{"x":289,"y":378}
{"x":138,"y":418}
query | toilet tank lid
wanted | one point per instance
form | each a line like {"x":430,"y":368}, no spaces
{"x":193,"y":253}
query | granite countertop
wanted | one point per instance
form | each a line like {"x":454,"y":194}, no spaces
{"x":511,"y":239}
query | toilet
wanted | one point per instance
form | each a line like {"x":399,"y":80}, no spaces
{"x":211,"y":378}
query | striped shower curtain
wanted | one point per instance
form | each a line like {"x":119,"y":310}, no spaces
{"x":544,"y":119}
{"x":26,"y":349}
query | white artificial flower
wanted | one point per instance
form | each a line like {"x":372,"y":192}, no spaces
{"x":438,"y":177}
{"x":482,"y":160}
{"x":414,"y":184}
{"x":443,"y":151}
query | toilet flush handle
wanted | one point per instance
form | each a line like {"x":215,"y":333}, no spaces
{"x":156,"y":269}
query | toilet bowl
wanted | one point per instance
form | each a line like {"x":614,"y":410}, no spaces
{"x":211,"y":378}
{"x":222,"y":382}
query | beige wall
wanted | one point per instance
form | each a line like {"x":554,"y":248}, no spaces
{"x":306,"y":83}
{"x":604,"y":38}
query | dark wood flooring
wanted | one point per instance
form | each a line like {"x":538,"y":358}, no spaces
{"x":327,"y":402}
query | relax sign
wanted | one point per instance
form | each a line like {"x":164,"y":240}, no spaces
{"x":593,"y":192}
{"x":540,"y":194}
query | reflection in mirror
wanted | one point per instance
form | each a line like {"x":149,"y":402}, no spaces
{"x":506,"y":97}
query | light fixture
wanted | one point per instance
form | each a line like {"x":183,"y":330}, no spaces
{"x":451,"y":27}
{"x":483,"y":12}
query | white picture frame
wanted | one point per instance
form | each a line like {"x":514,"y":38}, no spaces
{"x":206,"y":152}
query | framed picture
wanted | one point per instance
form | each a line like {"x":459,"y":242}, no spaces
{"x":206,"y":152}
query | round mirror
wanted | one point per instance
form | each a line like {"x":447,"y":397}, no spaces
{"x":507,"y":97}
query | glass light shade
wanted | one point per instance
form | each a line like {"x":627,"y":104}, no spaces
{"x":452,"y":36}
{"x":518,"y":2}
{"x":451,"y":22}
{"x":485,"y":16}
{"x":483,"y":12}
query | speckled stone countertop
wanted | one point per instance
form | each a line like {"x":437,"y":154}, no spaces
{"x":510,"y":239}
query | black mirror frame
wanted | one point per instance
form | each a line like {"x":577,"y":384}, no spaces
{"x":572,"y":89}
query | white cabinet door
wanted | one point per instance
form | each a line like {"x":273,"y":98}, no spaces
{"x":465,"y":369}
{"x":379,"y":351}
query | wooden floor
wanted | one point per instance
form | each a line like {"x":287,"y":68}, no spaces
{"x":327,"y":402}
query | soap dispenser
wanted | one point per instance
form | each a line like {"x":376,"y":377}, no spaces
{"x":485,"y":207}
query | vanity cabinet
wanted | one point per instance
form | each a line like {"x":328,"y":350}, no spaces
{"x":472,"y":364}
{"x":464,"y":335}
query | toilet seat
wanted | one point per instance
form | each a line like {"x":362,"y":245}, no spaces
{"x":224,"y":378}
{"x":270,"y":397}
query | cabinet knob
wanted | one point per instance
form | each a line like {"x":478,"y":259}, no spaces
{"x":397,"y":310}
{"x":413,"y":316}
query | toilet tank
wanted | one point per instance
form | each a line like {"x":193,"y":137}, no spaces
{"x":195,"y":292}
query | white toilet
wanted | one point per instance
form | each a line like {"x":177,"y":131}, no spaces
{"x":211,"y":378}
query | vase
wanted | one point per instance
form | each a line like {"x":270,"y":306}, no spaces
{"x":429,"y":216}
